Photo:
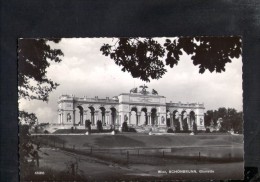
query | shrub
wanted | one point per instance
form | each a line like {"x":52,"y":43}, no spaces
{"x":177,"y":126}
{"x":131,"y":130}
{"x":170,"y":130}
{"x":125,"y":126}
{"x":46,"y":132}
{"x":99,"y":126}
{"x":88,"y":125}
{"x":185,"y":126}
{"x":207,"y":130}
{"x":195,"y":127}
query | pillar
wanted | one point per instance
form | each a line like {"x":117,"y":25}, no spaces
{"x":149,"y":118}
{"x":60,"y":118}
{"x":129,"y":117}
{"x":95,"y":117}
{"x":136,"y":115}
{"x":180,"y":120}
{"x":197,"y":118}
{"x":117,"y":119}
{"x":74,"y":117}
{"x":108,"y":117}
{"x":84,"y":117}
{"x":188,"y":121}
{"x":171,"y":120}
{"x":158,"y":119}
{"x":138,"y":118}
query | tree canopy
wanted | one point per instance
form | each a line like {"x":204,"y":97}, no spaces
{"x":34,"y":56}
{"x":27,"y":118}
{"x":231,"y":119}
{"x":146,"y":58}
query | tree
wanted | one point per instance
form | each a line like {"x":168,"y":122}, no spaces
{"x":237,"y":123}
{"x":231,"y":119}
{"x":34,"y":56}
{"x":146,"y":58}
{"x":208,"y":117}
{"x":27,"y":118}
{"x":26,"y":148}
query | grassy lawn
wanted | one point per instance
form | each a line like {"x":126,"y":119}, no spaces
{"x":140,"y":156}
{"x":144,"y":141}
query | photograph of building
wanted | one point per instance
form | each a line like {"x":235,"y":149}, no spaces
{"x":137,"y":109}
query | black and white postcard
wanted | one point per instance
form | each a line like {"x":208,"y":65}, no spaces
{"x":130,"y":108}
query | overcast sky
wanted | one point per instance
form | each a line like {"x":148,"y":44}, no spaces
{"x":84,"y":71}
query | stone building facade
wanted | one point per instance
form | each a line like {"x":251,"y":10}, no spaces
{"x":136,"y":108}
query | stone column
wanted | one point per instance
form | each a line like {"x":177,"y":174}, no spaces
{"x":188,"y":121}
{"x":92,"y":118}
{"x":60,"y":121}
{"x":180,"y":120}
{"x":117,"y":119}
{"x":95,"y":117}
{"x":103,"y":119}
{"x":171,"y":120}
{"x":197,"y":121}
{"x":129,"y":117}
{"x":73,"y":117}
{"x":84,"y":117}
{"x":108,"y":117}
{"x":138,"y":118}
{"x":149,"y":118}
{"x":158,"y":119}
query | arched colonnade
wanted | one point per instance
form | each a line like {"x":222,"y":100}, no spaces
{"x":108,"y":115}
{"x":181,"y":119}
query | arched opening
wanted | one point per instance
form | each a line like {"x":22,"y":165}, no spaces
{"x":133,"y":119}
{"x":168,"y":118}
{"x":143,"y":117}
{"x":176,"y":122}
{"x":79,"y":115}
{"x":102,"y":115}
{"x":92,"y":115}
{"x":113,"y":116}
{"x":153,"y":116}
{"x":192,"y":118}
{"x":184,"y":120}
